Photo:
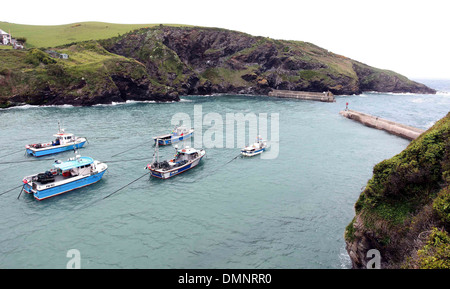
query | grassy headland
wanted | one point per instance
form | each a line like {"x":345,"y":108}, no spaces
{"x":108,"y":62}
{"x":56,"y":35}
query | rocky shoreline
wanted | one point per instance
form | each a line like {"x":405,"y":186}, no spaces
{"x":404,"y":210}
{"x":162,"y":63}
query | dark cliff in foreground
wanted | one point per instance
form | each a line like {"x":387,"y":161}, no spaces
{"x":404,"y":211}
{"x":164,"y":62}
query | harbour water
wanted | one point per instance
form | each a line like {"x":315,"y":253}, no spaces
{"x":287,"y":212}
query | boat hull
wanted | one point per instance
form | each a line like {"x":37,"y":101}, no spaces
{"x":54,"y":149}
{"x":252,"y":153}
{"x":173,"y":139}
{"x":53,"y":189}
{"x":168,"y":174}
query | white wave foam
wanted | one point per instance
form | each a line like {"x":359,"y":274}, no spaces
{"x":29,"y":106}
{"x":443,"y":93}
{"x":59,"y":106}
{"x":430,"y":124}
{"x":418,"y":100}
{"x":390,"y":93}
{"x":132,"y":102}
{"x":344,"y":258}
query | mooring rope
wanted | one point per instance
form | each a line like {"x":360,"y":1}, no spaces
{"x":126,"y":185}
{"x":25,"y":161}
{"x":11,"y":153}
{"x":135,"y":147}
{"x":10,"y":190}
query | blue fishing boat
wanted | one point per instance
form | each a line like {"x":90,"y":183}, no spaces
{"x":178,"y":134}
{"x":63,"y":142}
{"x":65,"y":176}
{"x":184,"y":159}
{"x":257,"y":148}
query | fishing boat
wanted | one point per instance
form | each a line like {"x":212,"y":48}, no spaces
{"x":65,"y":176}
{"x":63,"y":142}
{"x":257,"y":148}
{"x":179,"y":133}
{"x":184,"y":159}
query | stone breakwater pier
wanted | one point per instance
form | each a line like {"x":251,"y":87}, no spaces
{"x":325,"y":96}
{"x":404,"y":131}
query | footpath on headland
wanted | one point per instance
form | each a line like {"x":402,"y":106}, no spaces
{"x":325,"y":96}
{"x":401,"y":130}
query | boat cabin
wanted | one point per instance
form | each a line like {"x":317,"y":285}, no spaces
{"x":186,"y":154}
{"x":74,"y":166}
{"x":180,"y":131}
{"x":63,"y":138}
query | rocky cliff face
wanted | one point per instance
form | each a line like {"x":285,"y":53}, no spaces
{"x":208,"y":60}
{"x":164,"y":62}
{"x":90,"y":76}
{"x":404,"y":211}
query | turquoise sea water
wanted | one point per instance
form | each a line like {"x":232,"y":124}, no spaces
{"x":286,"y":212}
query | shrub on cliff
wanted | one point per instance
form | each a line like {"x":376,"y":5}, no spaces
{"x":441,"y":205}
{"x":36,"y":56}
{"x":407,"y":197}
{"x":410,"y":178}
{"x":436,"y":253}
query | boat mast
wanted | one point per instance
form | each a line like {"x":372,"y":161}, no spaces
{"x":157,"y":150}
{"x":60,"y":130}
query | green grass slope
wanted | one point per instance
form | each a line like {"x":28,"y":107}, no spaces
{"x":90,"y":76}
{"x":56,"y":35}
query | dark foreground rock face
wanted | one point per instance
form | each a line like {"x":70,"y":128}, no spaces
{"x":164,"y":62}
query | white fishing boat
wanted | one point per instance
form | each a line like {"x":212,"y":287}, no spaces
{"x":179,"y":133}
{"x":255,"y":149}
{"x":184,"y":159}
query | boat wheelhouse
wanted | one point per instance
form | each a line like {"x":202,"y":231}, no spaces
{"x":184,"y":159}
{"x":65,"y":176}
{"x":63,"y":142}
{"x":179,"y":133}
{"x":257,"y":148}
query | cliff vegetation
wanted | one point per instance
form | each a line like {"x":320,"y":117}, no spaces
{"x":404,"y":211}
{"x":162,"y":62}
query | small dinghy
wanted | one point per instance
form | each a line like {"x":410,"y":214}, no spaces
{"x":63,"y":142}
{"x":65,"y":176}
{"x":179,"y":133}
{"x":257,"y":148}
{"x":184,"y":159}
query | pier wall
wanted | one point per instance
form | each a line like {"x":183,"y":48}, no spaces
{"x":404,"y":131}
{"x":325,"y":96}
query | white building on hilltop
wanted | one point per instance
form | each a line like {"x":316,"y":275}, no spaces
{"x":5,"y":38}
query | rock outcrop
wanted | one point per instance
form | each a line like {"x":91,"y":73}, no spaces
{"x":404,"y":211}
{"x":196,"y":60}
{"x":161,"y":63}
